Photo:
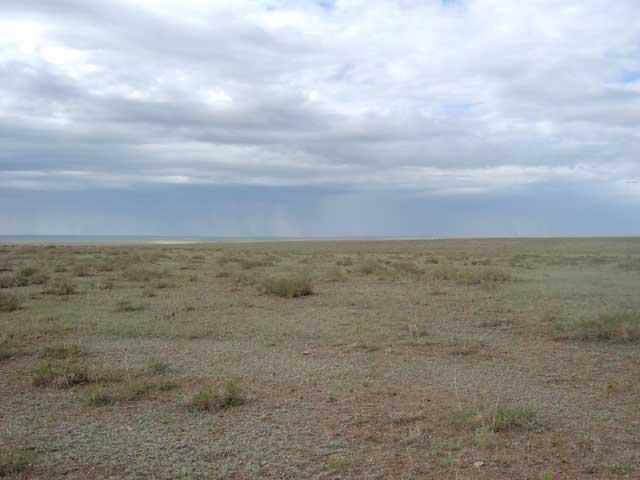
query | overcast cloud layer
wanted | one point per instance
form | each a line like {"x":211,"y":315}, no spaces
{"x":420,"y":103}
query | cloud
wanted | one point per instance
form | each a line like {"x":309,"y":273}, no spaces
{"x":426,"y":96}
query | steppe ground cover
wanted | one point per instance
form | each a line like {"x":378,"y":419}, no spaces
{"x":404,"y":359}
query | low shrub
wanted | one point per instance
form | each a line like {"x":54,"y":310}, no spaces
{"x":288,"y":287}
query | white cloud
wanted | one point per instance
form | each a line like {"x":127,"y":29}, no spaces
{"x":468,"y":96}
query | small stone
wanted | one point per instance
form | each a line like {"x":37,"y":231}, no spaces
{"x":306,"y":352}
{"x":478,"y":464}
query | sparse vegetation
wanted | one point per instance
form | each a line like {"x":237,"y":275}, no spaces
{"x":402,"y":366}
{"x":621,"y":327}
{"x":470,"y":275}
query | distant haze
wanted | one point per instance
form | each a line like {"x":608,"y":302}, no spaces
{"x":320,"y":118}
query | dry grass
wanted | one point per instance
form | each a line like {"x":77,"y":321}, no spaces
{"x":413,"y":359}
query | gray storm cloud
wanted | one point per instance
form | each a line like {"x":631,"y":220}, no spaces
{"x":436,"y":97}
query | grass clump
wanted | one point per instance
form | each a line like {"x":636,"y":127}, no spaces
{"x":516,"y":417}
{"x":369,"y":266}
{"x":8,"y":347}
{"x":60,"y":286}
{"x":471,"y":275}
{"x":61,"y":375}
{"x":251,"y":263}
{"x":500,"y":418}
{"x":156,"y":366}
{"x":83,"y":270}
{"x":211,"y":398}
{"x":14,"y":461}
{"x":288,"y":287}
{"x":65,"y":375}
{"x":30,"y":276}
{"x":621,"y":327}
{"x":102,"y":394}
{"x":407,"y":268}
{"x":128,"y":306}
{"x":9,"y":302}
{"x":143,"y":275}
{"x":62,"y":351}
{"x":344,"y":262}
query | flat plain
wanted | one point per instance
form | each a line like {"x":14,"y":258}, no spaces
{"x":400,"y":359}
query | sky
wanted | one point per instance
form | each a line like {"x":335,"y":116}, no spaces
{"x":320,"y":117}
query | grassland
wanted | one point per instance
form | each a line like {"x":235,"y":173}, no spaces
{"x":406,"y":359}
